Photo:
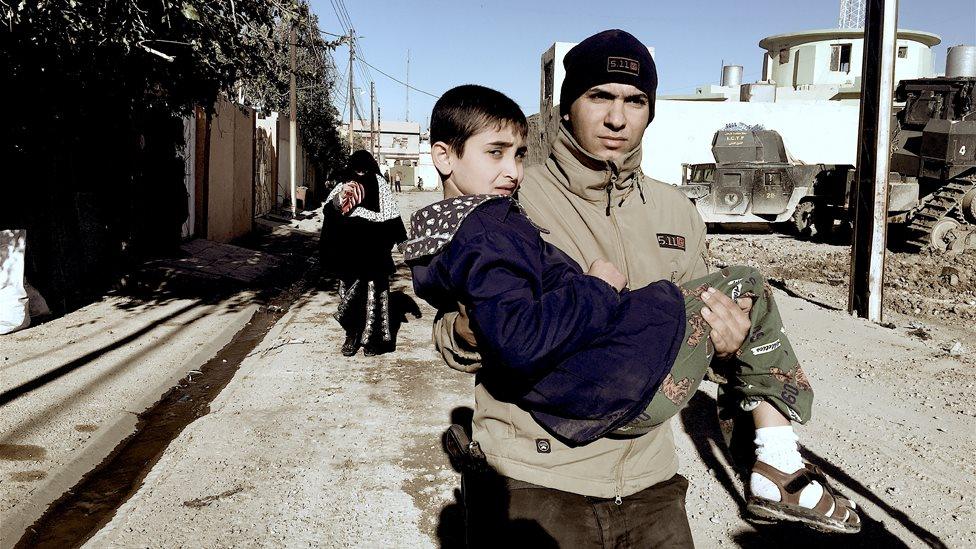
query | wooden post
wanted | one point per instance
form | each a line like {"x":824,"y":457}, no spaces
{"x":372,"y":118}
{"x":869,"y":194}
{"x":352,"y":99}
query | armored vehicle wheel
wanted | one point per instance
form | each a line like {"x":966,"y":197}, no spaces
{"x":803,"y":219}
{"x":944,"y":235}
{"x":968,"y":206}
{"x":942,"y":223}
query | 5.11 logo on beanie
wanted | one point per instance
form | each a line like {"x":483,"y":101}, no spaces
{"x":624,"y":65}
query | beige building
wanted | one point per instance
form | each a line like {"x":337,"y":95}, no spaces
{"x":397,"y":140}
{"x":826,"y":63}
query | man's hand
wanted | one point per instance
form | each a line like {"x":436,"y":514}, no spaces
{"x":350,"y":196}
{"x":608,"y":272}
{"x":729,"y":321}
{"x":462,"y":328}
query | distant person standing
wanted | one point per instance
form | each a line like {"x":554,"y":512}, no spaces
{"x":396,"y":182}
{"x":362,"y":224}
{"x":420,"y":183}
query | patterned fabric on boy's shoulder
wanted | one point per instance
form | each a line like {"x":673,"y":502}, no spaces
{"x":432,"y":227}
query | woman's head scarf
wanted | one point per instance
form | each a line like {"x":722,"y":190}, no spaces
{"x":362,"y":161}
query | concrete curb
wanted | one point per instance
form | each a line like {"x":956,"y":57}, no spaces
{"x":113,"y":431}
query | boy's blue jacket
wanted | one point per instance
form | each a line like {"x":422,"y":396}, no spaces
{"x":565,"y":346}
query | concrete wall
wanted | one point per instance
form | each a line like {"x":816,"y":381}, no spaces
{"x":231,"y":174}
{"x":425,"y":170}
{"x":812,"y":131}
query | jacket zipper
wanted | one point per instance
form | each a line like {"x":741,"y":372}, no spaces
{"x":613,"y":218}
{"x":620,"y":473}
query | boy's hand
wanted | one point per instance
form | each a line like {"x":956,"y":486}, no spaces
{"x":350,"y":196}
{"x":729,"y":321}
{"x":607,"y":272}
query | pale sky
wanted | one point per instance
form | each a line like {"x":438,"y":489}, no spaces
{"x":498,"y":43}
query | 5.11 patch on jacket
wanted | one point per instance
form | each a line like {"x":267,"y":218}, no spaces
{"x":673,"y":241}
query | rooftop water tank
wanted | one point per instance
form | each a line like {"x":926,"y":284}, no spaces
{"x":732,"y":75}
{"x":961,"y":61}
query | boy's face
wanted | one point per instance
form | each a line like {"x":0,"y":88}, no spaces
{"x":491,"y":163}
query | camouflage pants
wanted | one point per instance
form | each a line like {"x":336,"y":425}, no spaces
{"x":766,"y":367}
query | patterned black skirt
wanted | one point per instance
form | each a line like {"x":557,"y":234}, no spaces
{"x":364,"y":308}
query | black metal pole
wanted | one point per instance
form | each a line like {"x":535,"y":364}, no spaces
{"x":869,"y":193}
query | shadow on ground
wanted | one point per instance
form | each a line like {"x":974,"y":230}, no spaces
{"x":700,"y":422}
{"x":262,"y":264}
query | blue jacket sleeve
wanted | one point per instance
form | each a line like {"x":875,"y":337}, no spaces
{"x":529,"y":329}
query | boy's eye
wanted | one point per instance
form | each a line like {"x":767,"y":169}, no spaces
{"x":496,"y":153}
{"x":520,"y":155}
{"x":639,"y":101}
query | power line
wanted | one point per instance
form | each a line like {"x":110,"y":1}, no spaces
{"x":342,"y":4}
{"x":342,"y":21}
{"x":343,"y":91}
{"x":395,"y":79}
{"x":342,"y":14}
{"x":331,"y":33}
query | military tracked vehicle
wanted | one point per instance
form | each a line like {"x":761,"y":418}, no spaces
{"x":934,"y":143}
{"x":754,"y":179}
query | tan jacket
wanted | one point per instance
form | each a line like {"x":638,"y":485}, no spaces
{"x":652,"y":232}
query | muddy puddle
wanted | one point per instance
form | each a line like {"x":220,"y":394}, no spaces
{"x":91,"y":504}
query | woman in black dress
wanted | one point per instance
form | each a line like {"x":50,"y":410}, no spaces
{"x":362,"y":224}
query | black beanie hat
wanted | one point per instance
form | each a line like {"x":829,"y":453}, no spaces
{"x":610,"y":56}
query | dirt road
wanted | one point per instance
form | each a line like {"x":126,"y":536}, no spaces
{"x":306,"y":448}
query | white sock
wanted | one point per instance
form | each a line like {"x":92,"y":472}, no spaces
{"x":776,"y":446}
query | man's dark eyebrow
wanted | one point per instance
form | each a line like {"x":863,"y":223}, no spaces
{"x":501,"y":144}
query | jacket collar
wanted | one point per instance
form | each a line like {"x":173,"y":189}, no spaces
{"x":589,"y":177}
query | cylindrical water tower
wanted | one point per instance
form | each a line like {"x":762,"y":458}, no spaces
{"x":732,"y":75}
{"x":961,"y":61}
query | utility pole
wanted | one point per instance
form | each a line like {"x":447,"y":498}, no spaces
{"x":379,"y":126}
{"x":870,"y":189}
{"x":292,"y":122}
{"x":408,"y":86}
{"x":352,"y":99}
{"x":372,"y":118}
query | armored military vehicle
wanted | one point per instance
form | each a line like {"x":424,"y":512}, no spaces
{"x":934,"y":143}
{"x":754,"y":179}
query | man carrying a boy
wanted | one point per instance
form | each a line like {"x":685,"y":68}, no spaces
{"x":596,"y":205}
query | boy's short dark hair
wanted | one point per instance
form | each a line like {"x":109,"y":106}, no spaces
{"x":466,"y":110}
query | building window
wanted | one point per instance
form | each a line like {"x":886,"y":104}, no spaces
{"x":902,"y":52}
{"x":840,"y":57}
{"x":784,"y":56}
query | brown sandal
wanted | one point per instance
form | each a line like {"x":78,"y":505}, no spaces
{"x":833,"y":513}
